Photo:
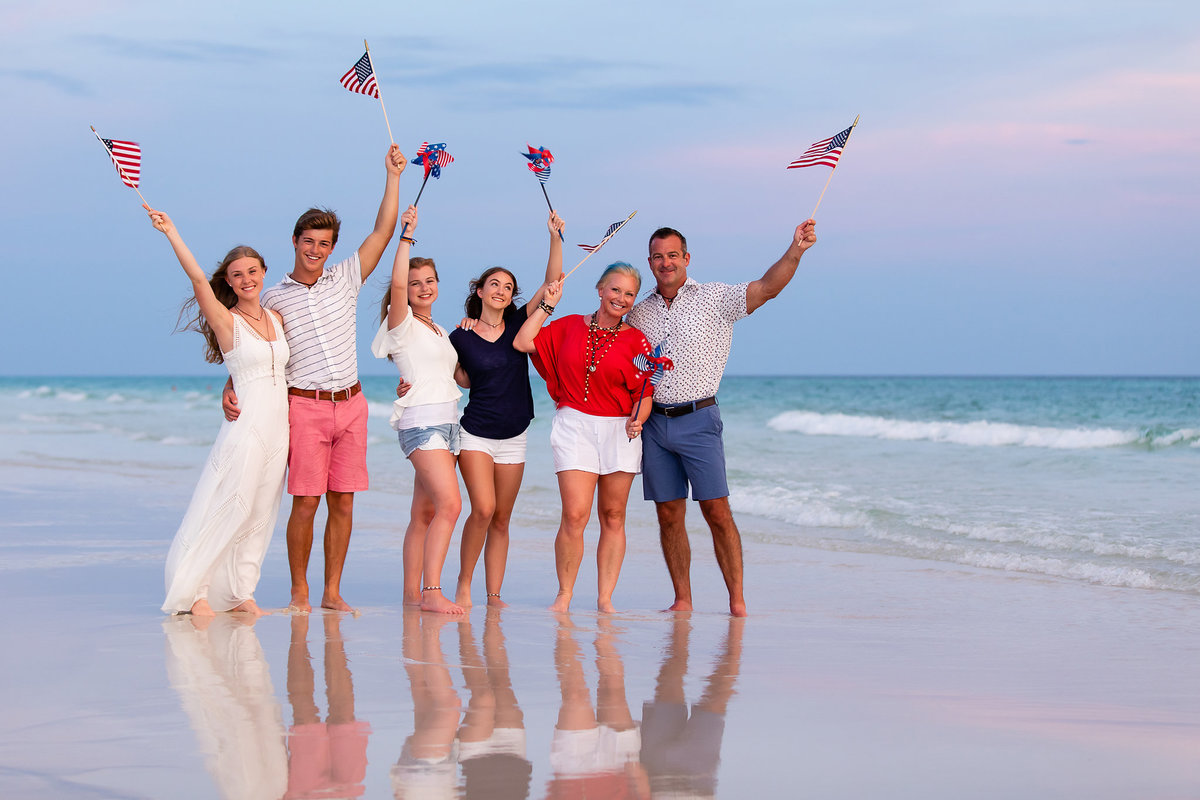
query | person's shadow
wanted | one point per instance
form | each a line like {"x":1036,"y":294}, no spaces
{"x":594,"y":751}
{"x":325,"y":759}
{"x":681,"y":751}
{"x":216,"y":664}
{"x":491,"y":738}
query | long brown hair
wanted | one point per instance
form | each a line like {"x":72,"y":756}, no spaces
{"x":190,"y":318}
{"x":413,"y":263}
{"x":474,"y":304}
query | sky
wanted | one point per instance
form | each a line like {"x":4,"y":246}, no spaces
{"x":1021,"y":194}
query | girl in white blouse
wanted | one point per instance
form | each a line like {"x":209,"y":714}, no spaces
{"x":426,"y":418}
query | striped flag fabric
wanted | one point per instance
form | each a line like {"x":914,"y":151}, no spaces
{"x":361,"y":77}
{"x":823,"y":153}
{"x":540,"y":160}
{"x":433,"y":157}
{"x":127,"y":158}
{"x":591,"y":248}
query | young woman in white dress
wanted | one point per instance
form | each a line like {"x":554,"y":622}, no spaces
{"x":214,"y":561}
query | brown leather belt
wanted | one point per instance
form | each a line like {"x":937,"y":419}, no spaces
{"x":686,"y":408}
{"x":341,"y":395}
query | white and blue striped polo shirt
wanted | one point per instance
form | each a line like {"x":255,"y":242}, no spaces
{"x":318,"y":322}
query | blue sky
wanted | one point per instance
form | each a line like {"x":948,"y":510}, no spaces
{"x":1019,"y":197}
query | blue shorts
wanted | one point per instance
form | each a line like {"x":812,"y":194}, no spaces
{"x":433,"y":437}
{"x":677,"y":451}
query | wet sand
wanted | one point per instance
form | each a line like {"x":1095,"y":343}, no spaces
{"x":855,"y":676}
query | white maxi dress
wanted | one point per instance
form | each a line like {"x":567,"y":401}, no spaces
{"x":219,"y":548}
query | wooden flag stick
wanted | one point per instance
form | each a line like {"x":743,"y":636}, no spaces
{"x":561,"y":238}
{"x":381,"y":105}
{"x":117,"y":164}
{"x":602,"y":243}
{"x":845,"y":144}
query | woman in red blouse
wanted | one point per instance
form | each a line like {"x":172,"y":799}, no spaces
{"x":587,"y":362}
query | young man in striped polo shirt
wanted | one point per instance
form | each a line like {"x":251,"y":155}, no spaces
{"x":326,"y":409}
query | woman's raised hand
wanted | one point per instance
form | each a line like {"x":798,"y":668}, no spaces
{"x":409,"y":220}
{"x":555,"y":224}
{"x":159,"y":219}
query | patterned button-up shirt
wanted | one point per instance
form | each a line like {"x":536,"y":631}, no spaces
{"x":695,"y":331}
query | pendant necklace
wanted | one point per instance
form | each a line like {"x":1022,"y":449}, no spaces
{"x":599,"y":342}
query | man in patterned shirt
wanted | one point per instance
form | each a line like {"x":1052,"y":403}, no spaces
{"x":327,"y":412}
{"x":681,"y":442}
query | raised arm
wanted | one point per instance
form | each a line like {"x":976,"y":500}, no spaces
{"x":218,"y":317}
{"x":780,"y":273}
{"x":550,"y":293}
{"x":554,"y":268}
{"x":377,"y":240}
{"x":398,"y":307}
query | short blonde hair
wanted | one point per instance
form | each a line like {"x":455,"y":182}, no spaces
{"x":621,"y":268}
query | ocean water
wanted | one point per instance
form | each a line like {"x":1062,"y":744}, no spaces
{"x":1087,"y":479}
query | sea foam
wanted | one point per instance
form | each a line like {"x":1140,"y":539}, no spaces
{"x":976,"y":434}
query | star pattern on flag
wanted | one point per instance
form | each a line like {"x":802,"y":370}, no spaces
{"x":433,"y":157}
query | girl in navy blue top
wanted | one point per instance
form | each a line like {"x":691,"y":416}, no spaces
{"x":492,"y":456}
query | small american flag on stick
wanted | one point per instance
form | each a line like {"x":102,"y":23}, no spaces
{"x":361,"y":77}
{"x":825,"y":152}
{"x":591,"y":248}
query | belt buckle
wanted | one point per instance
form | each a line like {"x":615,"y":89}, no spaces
{"x":333,"y":396}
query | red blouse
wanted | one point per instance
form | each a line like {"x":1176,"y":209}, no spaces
{"x":562,"y":358}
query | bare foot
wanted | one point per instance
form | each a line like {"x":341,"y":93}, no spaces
{"x":249,"y":607}
{"x":680,"y":605}
{"x":201,"y":608}
{"x":737,"y":608}
{"x":462,"y":595}
{"x":335,"y":603}
{"x":605,"y":606}
{"x":436,"y":601}
{"x":562,"y":603}
{"x":494,"y":601}
{"x":300,"y":601}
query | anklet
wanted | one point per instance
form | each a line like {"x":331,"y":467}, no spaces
{"x":430,"y":588}
{"x":493,"y":594}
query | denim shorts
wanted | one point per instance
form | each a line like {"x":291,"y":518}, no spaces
{"x":434,"y":437}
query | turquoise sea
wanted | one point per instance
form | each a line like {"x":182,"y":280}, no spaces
{"x":1088,"y":479}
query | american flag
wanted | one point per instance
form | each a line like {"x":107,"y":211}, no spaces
{"x":657,"y":364}
{"x":825,"y":152}
{"x":616,"y":226}
{"x":361,"y":77}
{"x":433,"y":157}
{"x":540,"y":160}
{"x":127,"y":158}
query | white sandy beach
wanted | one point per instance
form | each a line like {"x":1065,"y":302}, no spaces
{"x":856,"y":675}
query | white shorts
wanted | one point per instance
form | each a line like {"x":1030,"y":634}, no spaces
{"x":593,"y":444}
{"x":593,"y":751}
{"x":502,"y":451}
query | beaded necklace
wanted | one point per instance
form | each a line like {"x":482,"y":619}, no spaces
{"x":599,"y":342}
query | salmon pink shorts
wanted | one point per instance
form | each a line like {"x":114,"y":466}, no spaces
{"x":328,"y":450}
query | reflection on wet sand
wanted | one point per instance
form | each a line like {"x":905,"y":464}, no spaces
{"x":427,"y":767}
{"x":325,"y":759}
{"x":492,"y":735}
{"x":217,"y":666}
{"x":594,"y":752}
{"x":680,"y":753}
